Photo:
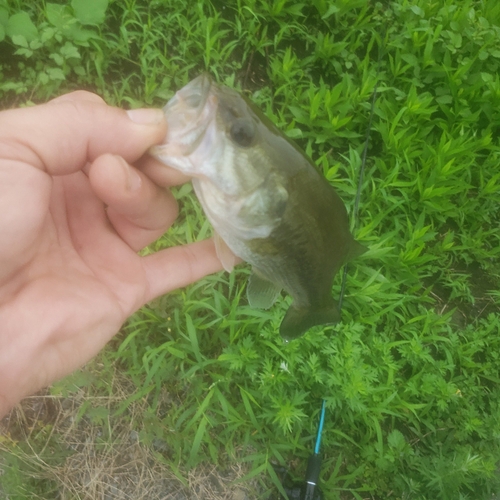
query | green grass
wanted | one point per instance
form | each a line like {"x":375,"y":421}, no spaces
{"x":411,"y":375}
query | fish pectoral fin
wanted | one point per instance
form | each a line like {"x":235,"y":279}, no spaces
{"x":267,"y":204}
{"x":261,"y":293}
{"x":297,"y":321}
{"x":224,"y":253}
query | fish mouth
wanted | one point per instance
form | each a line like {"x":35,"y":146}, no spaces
{"x":192,"y":96}
{"x":188,"y":114}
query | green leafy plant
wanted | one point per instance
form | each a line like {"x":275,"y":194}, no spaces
{"x":52,"y":44}
{"x":411,"y":375}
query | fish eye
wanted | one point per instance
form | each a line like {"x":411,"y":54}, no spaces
{"x":242,"y":132}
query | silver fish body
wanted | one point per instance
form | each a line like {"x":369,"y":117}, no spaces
{"x":267,"y":202}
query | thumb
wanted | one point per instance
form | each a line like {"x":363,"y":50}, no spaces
{"x":60,"y":137}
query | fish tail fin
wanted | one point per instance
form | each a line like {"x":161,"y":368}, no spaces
{"x":297,"y":321}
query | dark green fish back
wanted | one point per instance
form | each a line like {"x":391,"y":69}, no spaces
{"x":310,"y":245}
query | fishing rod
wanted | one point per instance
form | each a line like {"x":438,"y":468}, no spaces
{"x":309,"y":489}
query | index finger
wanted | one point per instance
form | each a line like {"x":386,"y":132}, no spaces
{"x":61,"y":136}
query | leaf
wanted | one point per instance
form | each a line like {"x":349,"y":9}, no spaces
{"x":43,"y":78}
{"x":57,"y":59}
{"x":193,"y":338}
{"x":483,"y":55}
{"x":201,"y":408}
{"x":410,"y":59}
{"x":36,"y":44}
{"x":296,"y":10}
{"x":21,"y":24}
{"x":56,"y":74}
{"x":456,"y":39}
{"x":58,"y":15}
{"x":396,"y":440}
{"x":90,"y":11}
{"x":20,"y":40}
{"x":47,"y":34}
{"x":444,"y":99}
{"x":176,"y":352}
{"x":294,"y":133}
{"x":245,"y":396}
{"x":2,"y":33}
{"x":80,"y":35}
{"x":69,"y":51}
{"x":417,"y":10}
{"x":200,"y":433}
{"x":333,"y":9}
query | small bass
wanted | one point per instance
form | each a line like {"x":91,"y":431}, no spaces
{"x":266,"y":201}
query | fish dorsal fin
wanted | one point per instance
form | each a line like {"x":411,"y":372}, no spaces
{"x":261,"y":293}
{"x":224,"y":253}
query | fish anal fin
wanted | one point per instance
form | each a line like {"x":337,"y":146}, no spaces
{"x":261,"y":293}
{"x":225,"y":254}
{"x":297,"y":321}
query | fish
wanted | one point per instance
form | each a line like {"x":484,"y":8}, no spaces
{"x":267,"y":202}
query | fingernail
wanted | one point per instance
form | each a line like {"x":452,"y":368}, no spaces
{"x":146,"y":116}
{"x":132,"y":178}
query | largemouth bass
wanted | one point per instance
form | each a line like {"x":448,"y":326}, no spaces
{"x":266,"y":201}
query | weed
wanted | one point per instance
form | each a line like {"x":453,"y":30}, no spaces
{"x":411,"y":375}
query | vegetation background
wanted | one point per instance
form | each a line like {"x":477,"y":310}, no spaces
{"x":198,"y":390}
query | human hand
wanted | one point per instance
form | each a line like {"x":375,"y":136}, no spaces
{"x":73,"y":214}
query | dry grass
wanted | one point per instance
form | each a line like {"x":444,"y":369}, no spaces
{"x":104,"y":460}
